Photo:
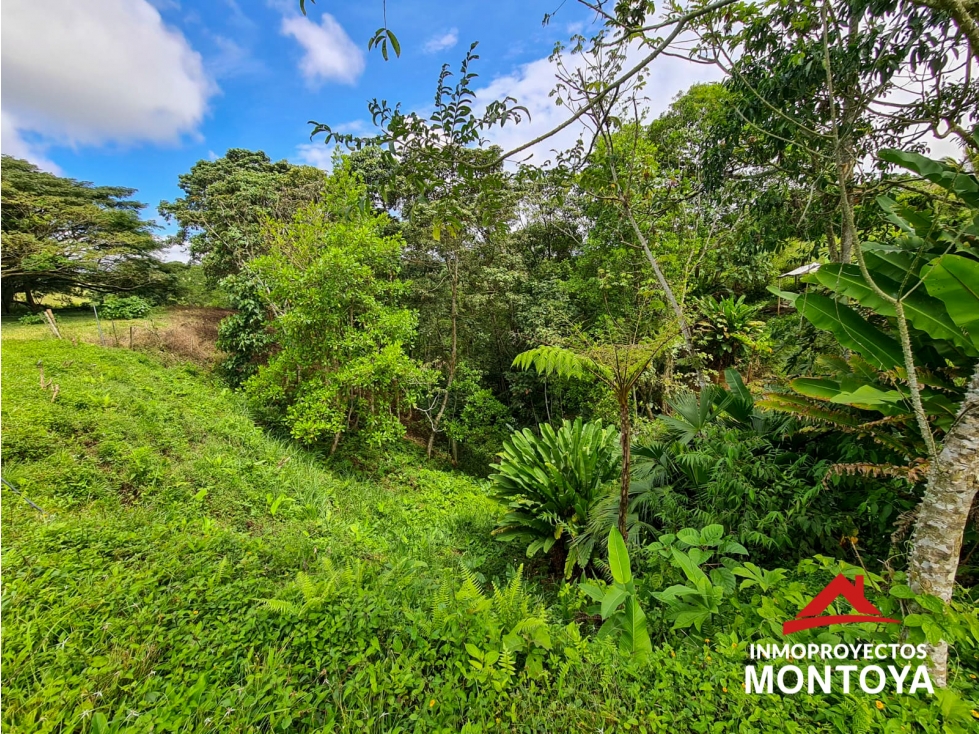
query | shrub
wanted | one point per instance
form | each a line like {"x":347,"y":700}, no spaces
{"x":131,"y":307}
{"x":30,"y":319}
{"x":550,"y":483}
{"x":727,"y":330}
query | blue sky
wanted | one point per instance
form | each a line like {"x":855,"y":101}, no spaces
{"x":134,"y":92}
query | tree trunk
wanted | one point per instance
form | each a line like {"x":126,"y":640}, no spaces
{"x":831,"y":246}
{"x":943,"y":513}
{"x":454,"y":314}
{"x":625,"y":438}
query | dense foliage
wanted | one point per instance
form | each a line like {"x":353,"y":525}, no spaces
{"x":62,"y":236}
{"x":263,"y":592}
{"x":694,"y":369}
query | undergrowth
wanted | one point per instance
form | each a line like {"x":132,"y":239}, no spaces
{"x":190,"y":573}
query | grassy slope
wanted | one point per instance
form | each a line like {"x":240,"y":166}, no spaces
{"x":137,"y":596}
{"x":152,"y":478}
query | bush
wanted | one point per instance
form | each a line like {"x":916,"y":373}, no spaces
{"x":115,"y":308}
{"x":728,"y":331}
{"x":550,"y":483}
{"x":31,"y":319}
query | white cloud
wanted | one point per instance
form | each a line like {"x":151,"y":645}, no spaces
{"x":232,"y":59}
{"x":12,"y":142}
{"x":315,"y":154}
{"x":329,"y":54}
{"x":531,"y":85}
{"x":90,"y":72}
{"x":440,"y":43}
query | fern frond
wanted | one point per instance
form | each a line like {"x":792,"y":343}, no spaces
{"x":280,"y":606}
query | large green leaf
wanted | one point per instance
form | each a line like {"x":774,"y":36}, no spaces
{"x":635,"y":635}
{"x":615,"y":596}
{"x":954,"y":280}
{"x":819,"y":388}
{"x":618,"y":557}
{"x":924,"y":312}
{"x":852,"y":330}
{"x":963,"y":185}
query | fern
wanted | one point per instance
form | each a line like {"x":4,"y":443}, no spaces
{"x":280,"y":606}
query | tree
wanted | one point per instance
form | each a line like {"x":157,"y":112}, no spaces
{"x":330,"y":280}
{"x":66,"y":236}
{"x":227,"y":201}
{"x":817,"y":89}
{"x":921,"y":369}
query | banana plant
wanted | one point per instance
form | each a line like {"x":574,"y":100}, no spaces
{"x":618,"y":604}
{"x":928,"y":270}
{"x":919,"y":372}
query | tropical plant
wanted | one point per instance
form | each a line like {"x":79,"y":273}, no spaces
{"x":734,"y":406}
{"x":619,"y":369}
{"x":515,"y":623}
{"x":727,"y":331}
{"x":696,"y":602}
{"x":549,"y":484}
{"x":919,"y":357}
{"x":619,"y":603}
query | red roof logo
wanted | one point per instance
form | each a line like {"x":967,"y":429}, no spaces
{"x":840,"y":586}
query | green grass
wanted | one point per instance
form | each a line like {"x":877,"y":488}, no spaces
{"x":77,"y":324}
{"x":140,"y":600}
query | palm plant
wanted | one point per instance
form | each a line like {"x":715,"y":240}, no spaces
{"x":550,"y":483}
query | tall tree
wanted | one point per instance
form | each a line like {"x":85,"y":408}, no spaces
{"x":227,"y":201}
{"x":66,"y":236}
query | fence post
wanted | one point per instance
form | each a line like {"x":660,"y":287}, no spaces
{"x":99,"y":326}
{"x":54,"y":327}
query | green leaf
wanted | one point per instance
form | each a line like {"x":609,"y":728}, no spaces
{"x":964,"y":186}
{"x":816,"y":387}
{"x":690,"y":569}
{"x":615,"y":596}
{"x":591,"y":590}
{"x":925,"y":313}
{"x":395,"y":44}
{"x":711,"y":535}
{"x":869,"y":397}
{"x":736,"y":385}
{"x":902,"y":591}
{"x":99,"y":724}
{"x":689,"y":536}
{"x":954,"y":280}
{"x":852,"y":330}
{"x":786,"y":295}
{"x":635,"y":635}
{"x":691,"y":617}
{"x":618,"y":557}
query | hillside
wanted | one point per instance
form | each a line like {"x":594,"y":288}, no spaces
{"x":190,"y":573}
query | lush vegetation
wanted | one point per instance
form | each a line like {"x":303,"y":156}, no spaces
{"x":433,"y":442}
{"x":190,"y":573}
